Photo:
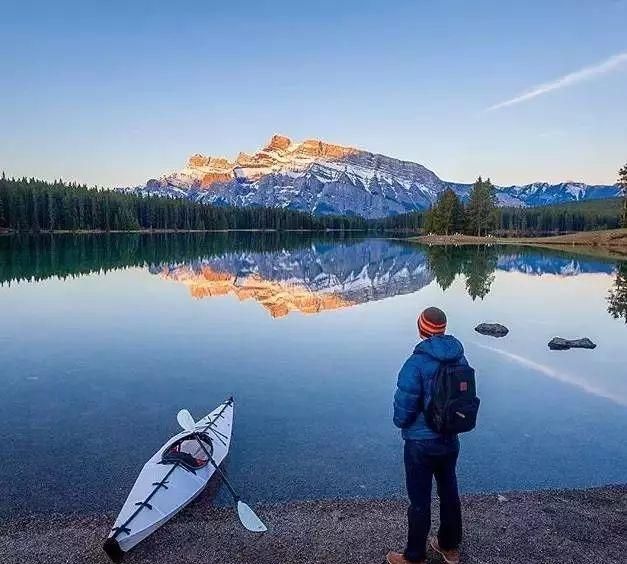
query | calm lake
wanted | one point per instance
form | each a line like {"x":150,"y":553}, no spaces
{"x":103,"y":338}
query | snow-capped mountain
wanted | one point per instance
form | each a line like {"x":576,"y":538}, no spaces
{"x":324,"y":178}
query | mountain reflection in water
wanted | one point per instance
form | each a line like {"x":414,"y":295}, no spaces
{"x":323,"y":277}
{"x":316,"y":278}
{"x":294,"y":272}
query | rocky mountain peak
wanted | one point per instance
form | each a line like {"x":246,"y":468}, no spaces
{"x":319,"y":149}
{"x":280,"y":155}
{"x":278,"y":143}
{"x":217,"y":164}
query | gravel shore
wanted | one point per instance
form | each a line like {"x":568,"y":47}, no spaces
{"x":601,"y":238}
{"x":559,"y":526}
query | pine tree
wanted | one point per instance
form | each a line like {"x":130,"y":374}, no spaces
{"x":446,"y":216}
{"x":481,"y":209}
{"x":450,"y":213}
{"x":473,"y":209}
{"x":430,"y":220}
{"x":622,"y":182}
{"x":3,"y":220}
{"x":34,"y":222}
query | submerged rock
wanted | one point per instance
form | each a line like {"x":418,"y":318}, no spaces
{"x":559,"y":344}
{"x":492,"y":329}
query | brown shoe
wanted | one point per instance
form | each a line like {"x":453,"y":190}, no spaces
{"x":450,"y":556}
{"x":398,"y":558}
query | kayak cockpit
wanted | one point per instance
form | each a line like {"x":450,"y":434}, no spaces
{"x":188,"y":452}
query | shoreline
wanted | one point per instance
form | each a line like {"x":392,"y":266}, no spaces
{"x":571,"y":525}
{"x":158,"y":231}
{"x":605,"y":238}
{"x":603,"y":244}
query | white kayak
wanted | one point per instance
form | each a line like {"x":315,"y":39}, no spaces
{"x":172,"y":478}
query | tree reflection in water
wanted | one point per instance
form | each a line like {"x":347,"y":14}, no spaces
{"x":478,"y":264}
{"x":337,"y":271}
{"x":617,"y":299}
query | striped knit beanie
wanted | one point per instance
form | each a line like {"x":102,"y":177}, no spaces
{"x":432,"y":321}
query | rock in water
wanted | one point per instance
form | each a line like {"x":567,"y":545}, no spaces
{"x":559,"y":344}
{"x":492,"y":329}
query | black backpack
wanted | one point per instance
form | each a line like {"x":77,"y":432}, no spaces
{"x":454,"y":404}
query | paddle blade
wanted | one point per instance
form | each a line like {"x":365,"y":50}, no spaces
{"x":185,"y":419}
{"x":249,"y":518}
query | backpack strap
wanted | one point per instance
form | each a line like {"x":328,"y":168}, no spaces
{"x":441,"y":363}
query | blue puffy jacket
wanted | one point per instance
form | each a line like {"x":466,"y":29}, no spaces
{"x":414,"y":384}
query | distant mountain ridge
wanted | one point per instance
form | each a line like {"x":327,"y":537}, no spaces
{"x":324,"y":178}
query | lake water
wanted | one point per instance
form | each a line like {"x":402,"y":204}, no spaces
{"x":104,"y":338}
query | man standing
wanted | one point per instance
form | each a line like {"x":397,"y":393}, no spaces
{"x":434,"y":378}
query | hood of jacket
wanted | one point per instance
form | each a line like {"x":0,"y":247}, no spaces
{"x":444,"y":348}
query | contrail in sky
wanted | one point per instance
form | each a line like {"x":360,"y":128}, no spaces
{"x":586,"y":73}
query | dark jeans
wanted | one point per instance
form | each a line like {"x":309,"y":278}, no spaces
{"x":424,"y":460}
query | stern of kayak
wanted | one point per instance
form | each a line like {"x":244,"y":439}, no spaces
{"x":113,"y":550}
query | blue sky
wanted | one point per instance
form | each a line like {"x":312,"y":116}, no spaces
{"x":113,"y":93}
